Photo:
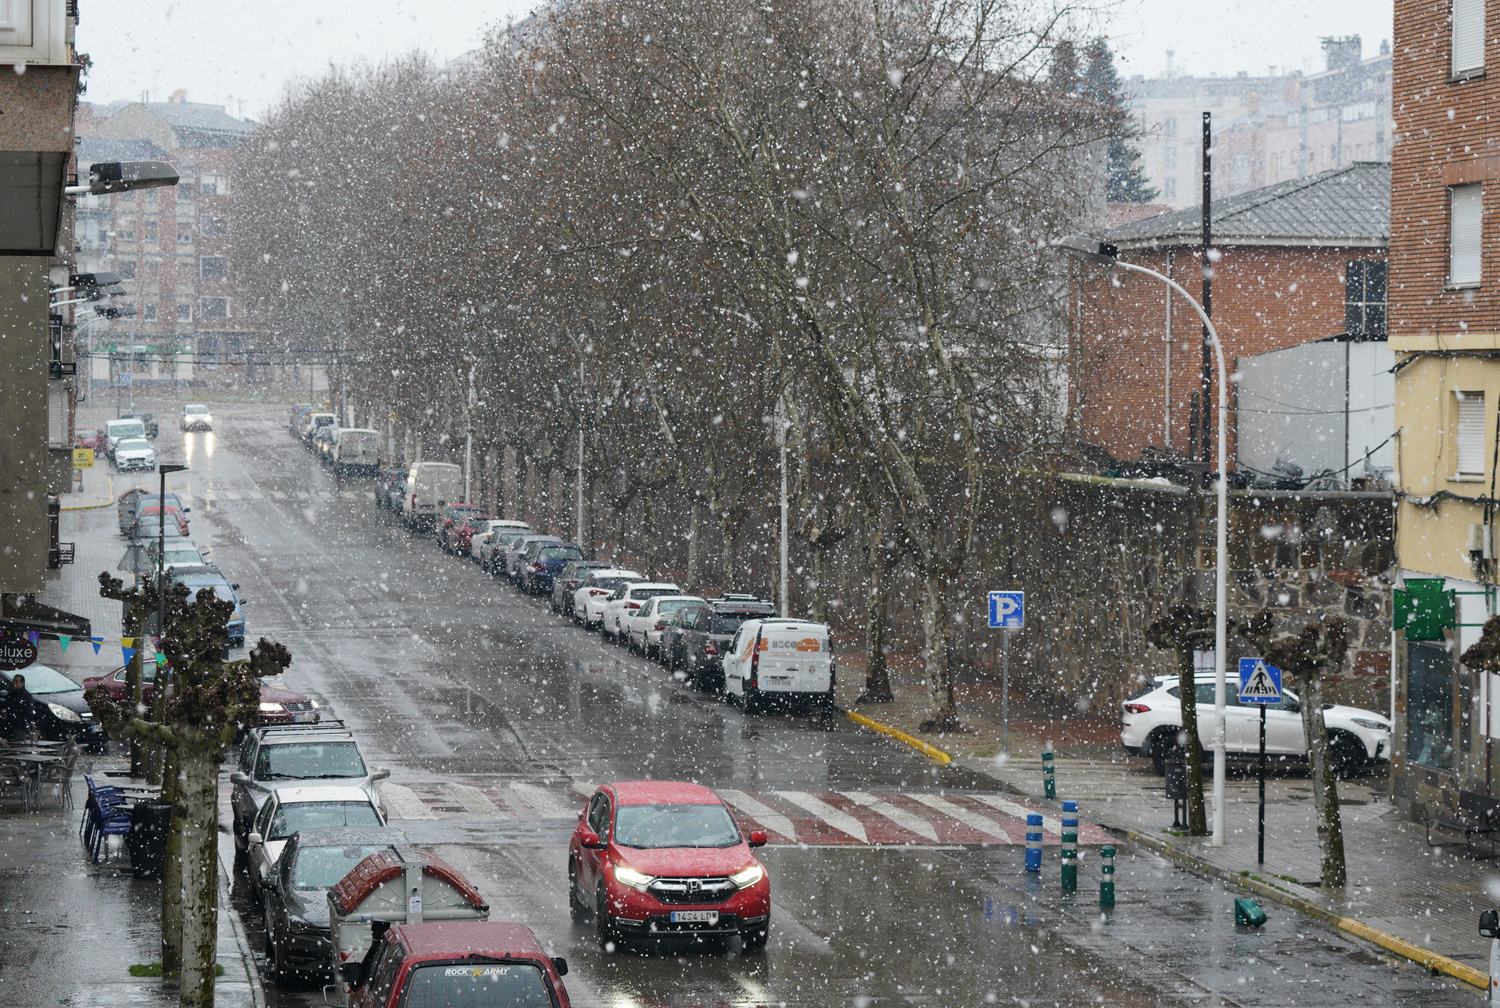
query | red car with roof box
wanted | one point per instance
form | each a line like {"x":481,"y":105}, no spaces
{"x":459,"y":963}
{"x":277,"y":706}
{"x":662,"y":859}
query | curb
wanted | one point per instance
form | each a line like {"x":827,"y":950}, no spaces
{"x":930,"y":751}
{"x":1434,"y":961}
{"x":91,"y":507}
{"x":237,"y":928}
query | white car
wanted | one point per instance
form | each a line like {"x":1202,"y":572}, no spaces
{"x":293,"y":807}
{"x":627,"y":598}
{"x":133,"y":454}
{"x":116,"y":431}
{"x":195,"y":416}
{"x":492,"y":549}
{"x":785,"y":659}
{"x":477,"y":541}
{"x":593,"y":594}
{"x":643,"y":626}
{"x":1153,"y":720}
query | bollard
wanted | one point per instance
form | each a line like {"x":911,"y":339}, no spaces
{"x":1248,"y":912}
{"x":1107,"y":870}
{"x":1033,"y":842}
{"x":1049,"y":780}
{"x":1070,"y":846}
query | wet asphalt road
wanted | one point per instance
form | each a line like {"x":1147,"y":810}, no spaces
{"x":463,"y":687}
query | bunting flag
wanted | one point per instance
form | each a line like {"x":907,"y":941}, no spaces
{"x":129,"y":653}
{"x":96,"y":641}
{"x":34,"y":636}
{"x":127,"y":642}
{"x":161,"y":659}
{"x":64,"y":640}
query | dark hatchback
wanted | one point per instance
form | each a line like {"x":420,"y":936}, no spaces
{"x":695,"y":641}
{"x":61,"y":715}
{"x":295,"y":895}
{"x":566,"y":582}
{"x":543,"y":561}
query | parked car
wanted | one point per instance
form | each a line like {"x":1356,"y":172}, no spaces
{"x":277,"y":705}
{"x":196,"y":417}
{"x":594,"y":593}
{"x":644,"y":626}
{"x":1153,"y":720}
{"x":296,"y":806}
{"x":294,"y":421}
{"x":295,"y":895}
{"x":477,"y":540}
{"x":211,"y":579}
{"x":58,"y":708}
{"x":544,"y":560}
{"x":699,"y":636}
{"x":117,"y":430}
{"x":468,"y":963}
{"x":456,"y":526}
{"x":313,"y":422}
{"x":179,"y":553}
{"x":356,"y":451}
{"x":148,"y":423}
{"x":269,"y":754}
{"x":132,"y":500}
{"x":780,"y":659}
{"x":511,"y":559}
{"x":148,"y":527}
{"x":429,"y":488}
{"x":627,"y":599}
{"x":90,"y":437}
{"x":492,"y":550}
{"x":134,"y":455}
{"x":388,"y":490}
{"x":174,"y":517}
{"x":322,"y":442}
{"x":567,"y":581}
{"x":655,"y":858}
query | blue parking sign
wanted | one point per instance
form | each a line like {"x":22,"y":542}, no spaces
{"x":1007,"y":610}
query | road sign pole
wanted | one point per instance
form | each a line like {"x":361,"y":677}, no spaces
{"x":1260,"y":819}
{"x":1005,"y":693}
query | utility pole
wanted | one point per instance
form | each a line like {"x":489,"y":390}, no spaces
{"x":579,"y":537}
{"x":781,"y":440}
{"x":469,"y":439}
{"x":1205,"y":374}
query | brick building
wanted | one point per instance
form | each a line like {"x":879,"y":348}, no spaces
{"x":171,"y":246}
{"x":1445,"y":332}
{"x":1299,"y":261}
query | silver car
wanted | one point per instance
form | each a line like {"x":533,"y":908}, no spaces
{"x":299,"y":806}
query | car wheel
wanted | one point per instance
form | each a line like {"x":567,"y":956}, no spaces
{"x":578,"y":908}
{"x":609,"y":935}
{"x":1346,"y":753}
{"x":754,"y":938}
{"x":751,"y":698}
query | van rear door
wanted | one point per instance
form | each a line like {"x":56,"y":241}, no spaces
{"x":794,"y":658}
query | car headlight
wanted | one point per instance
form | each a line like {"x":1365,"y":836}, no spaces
{"x":747,"y":877}
{"x":1367,"y":723}
{"x":628,"y":876}
{"x":62,"y":713}
{"x":272,"y":708}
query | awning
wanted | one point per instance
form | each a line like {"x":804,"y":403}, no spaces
{"x":23,"y":614}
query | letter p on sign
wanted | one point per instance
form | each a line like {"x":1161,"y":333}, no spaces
{"x":1007,"y":610}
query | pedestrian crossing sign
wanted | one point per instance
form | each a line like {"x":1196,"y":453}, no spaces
{"x":1259,"y":682}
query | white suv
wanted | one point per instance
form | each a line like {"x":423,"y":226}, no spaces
{"x":1153,"y":721}
{"x":625,"y":600}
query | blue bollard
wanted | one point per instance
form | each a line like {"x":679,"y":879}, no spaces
{"x":1033,"y":842}
{"x":1070,"y":846}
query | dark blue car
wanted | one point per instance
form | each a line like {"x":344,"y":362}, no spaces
{"x":543,"y":561}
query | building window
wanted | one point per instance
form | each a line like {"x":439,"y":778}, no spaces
{"x":149,"y":231}
{"x":126,"y":269}
{"x":1465,"y":228}
{"x":125,"y":234}
{"x":214,"y":184}
{"x":1169,"y":189}
{"x":1468,"y":37}
{"x":184,"y":191}
{"x":1429,"y":705}
{"x":1169,"y":127}
{"x":213,"y":308}
{"x":213,"y":267}
{"x":1169,"y":156}
{"x":1364,"y":299}
{"x":1470,"y":441}
{"x":184,"y":313}
{"x":148,"y":313}
{"x":151,"y":270}
{"x":213,"y":227}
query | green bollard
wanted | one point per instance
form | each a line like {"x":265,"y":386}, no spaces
{"x":1049,"y":779}
{"x":1107,"y":884}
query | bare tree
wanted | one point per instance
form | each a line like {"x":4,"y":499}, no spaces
{"x":1183,"y":630}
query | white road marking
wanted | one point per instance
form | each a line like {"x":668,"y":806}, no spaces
{"x":404,"y":803}
{"x":256,"y":495}
{"x":899,"y":816}
{"x":325,"y":495}
{"x":229,"y":495}
{"x":583,"y":788}
{"x":548,"y":804}
{"x":838,"y":819}
{"x":277,"y":495}
{"x":971,"y":819}
{"x":1019,"y":811}
{"x":474,"y":800}
{"x":763,"y":814}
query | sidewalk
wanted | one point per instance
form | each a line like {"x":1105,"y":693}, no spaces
{"x":1427,"y":896}
{"x":74,"y":928}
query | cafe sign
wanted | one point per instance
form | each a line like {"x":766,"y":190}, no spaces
{"x":16,"y":653}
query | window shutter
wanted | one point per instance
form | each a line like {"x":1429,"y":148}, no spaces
{"x":1468,"y":35}
{"x":1470,"y":433}
{"x":1465,"y":231}
{"x":57,"y":415}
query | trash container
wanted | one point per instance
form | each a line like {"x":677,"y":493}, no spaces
{"x":147,"y":842}
{"x":1176,"y":766}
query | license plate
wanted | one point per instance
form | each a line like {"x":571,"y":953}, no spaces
{"x":304,"y":717}
{"x":95,"y":729}
{"x":779,"y":680}
{"x":695,"y":916}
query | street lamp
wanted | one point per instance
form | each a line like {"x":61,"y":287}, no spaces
{"x":123,"y":176}
{"x":1103,"y":253}
{"x":162,"y":469}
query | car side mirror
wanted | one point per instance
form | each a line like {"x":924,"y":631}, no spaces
{"x":235,"y":587}
{"x":1292,"y":707}
{"x":381,"y":773}
{"x":350,"y":971}
{"x":591,"y":841}
{"x":238,"y":777}
{"x":1489,"y":924}
{"x":561,"y":965}
{"x":757,"y":838}
{"x":254,"y":838}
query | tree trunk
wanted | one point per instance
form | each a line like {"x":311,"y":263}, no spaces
{"x":942,"y":716}
{"x":877,"y":676}
{"x":171,"y":872}
{"x":1197,"y":819}
{"x":1325,"y":787}
{"x":692,"y":545}
{"x":199,"y":771}
{"x":818,"y":562}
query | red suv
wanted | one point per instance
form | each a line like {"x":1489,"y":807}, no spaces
{"x":661,"y":858}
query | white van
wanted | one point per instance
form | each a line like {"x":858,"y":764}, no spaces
{"x":429,"y":486}
{"x":357,"y":450}
{"x":116,"y":430}
{"x":776,"y":657}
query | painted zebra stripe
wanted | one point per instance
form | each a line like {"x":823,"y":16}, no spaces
{"x":969,"y":818}
{"x":761,"y":813}
{"x":404,"y":803}
{"x":475,"y":801}
{"x":839,"y":820}
{"x":914,"y":823}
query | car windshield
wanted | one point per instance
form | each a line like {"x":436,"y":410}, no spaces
{"x":291,"y":819}
{"x":195,"y":409}
{"x":482,"y":985}
{"x":560,"y":553}
{"x":309,"y":761}
{"x":133,"y":428}
{"x":134,"y":444}
{"x":507,"y":540}
{"x":651,"y":826}
{"x":610,"y":582}
{"x":43,"y":679}
{"x":672,"y":605}
{"x":322,"y":867}
{"x":221,"y":590}
{"x":183,"y":556}
{"x":729,"y":622}
{"x":152,"y":528}
{"x":645,"y":593}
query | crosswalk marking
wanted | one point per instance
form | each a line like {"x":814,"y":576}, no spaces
{"x":475,"y":800}
{"x":839,"y":820}
{"x":763,"y":814}
{"x":325,"y":495}
{"x":969,"y":818}
{"x":583,"y":789}
{"x":1049,"y":823}
{"x":548,"y":804}
{"x":916,"y":824}
{"x":404,"y":803}
{"x":278,"y":495}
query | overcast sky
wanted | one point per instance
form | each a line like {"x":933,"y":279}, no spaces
{"x":240,"y":54}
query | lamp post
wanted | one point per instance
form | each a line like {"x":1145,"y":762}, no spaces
{"x":162,"y":469}
{"x":1090,"y":250}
